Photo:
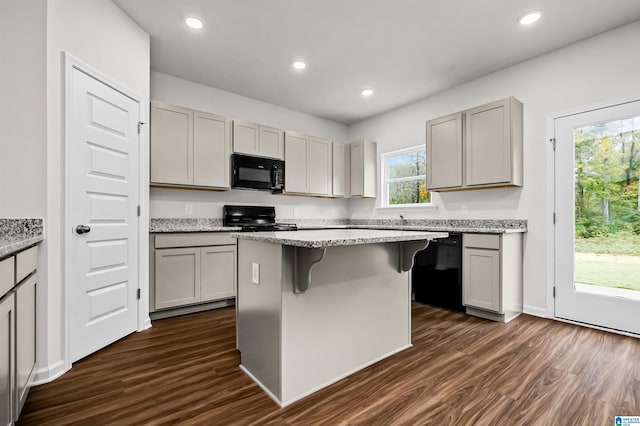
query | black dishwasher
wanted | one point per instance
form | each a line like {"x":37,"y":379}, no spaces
{"x":436,"y":277}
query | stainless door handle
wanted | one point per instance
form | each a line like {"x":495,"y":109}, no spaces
{"x":82,"y":229}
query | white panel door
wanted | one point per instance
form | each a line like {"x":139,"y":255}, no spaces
{"x":102,"y":199}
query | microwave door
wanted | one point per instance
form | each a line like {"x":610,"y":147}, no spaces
{"x":254,"y":176}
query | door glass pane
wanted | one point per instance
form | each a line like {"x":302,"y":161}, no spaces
{"x":607,"y":210}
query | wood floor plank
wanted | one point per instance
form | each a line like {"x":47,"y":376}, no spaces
{"x":461,"y":370}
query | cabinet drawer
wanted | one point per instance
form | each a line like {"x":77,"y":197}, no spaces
{"x":6,"y":275}
{"x":26,"y":262}
{"x":486,"y":241}
{"x":194,"y":240}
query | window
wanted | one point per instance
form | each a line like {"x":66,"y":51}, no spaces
{"x":403,"y":178}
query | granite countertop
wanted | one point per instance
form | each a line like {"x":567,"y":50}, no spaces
{"x":337,"y":237}
{"x":189,"y":225}
{"x":490,"y":226}
{"x":17,"y":234}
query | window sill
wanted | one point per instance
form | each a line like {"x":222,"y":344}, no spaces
{"x":423,"y":207}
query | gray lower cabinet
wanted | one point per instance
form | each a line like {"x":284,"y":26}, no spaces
{"x":7,"y":358}
{"x":25,"y":294}
{"x":18,"y":280}
{"x":192,"y":268}
{"x":492,"y":275}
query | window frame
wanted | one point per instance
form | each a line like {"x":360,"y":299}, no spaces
{"x":385,"y":181}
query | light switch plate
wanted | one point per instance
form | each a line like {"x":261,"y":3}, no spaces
{"x":255,"y":273}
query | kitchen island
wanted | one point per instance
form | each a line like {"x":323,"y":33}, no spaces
{"x":315,"y":306}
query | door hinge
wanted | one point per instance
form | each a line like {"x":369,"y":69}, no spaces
{"x":554,"y":292}
{"x":138,"y":293}
{"x":553,"y":143}
{"x":140,"y":124}
{"x":554,"y":218}
{"x":138,"y":211}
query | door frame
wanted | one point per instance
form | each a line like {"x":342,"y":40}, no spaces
{"x":143,"y":321}
{"x":551,"y":197}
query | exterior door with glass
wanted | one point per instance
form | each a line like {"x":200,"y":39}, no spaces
{"x":597,"y":229}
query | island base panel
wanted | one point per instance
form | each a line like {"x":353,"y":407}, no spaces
{"x":356,"y":311}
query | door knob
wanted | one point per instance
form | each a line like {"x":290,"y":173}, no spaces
{"x":82,"y":229}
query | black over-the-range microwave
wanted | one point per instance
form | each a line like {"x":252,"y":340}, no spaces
{"x":249,"y":172}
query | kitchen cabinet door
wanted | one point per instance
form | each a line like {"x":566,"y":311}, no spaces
{"x":171,"y":144}
{"x":210,"y":150}
{"x":444,"y":152}
{"x":340,"y":170}
{"x":7,"y":360}
{"x":363,"y":169}
{"x":177,"y":275}
{"x":246,"y":137}
{"x":25,"y":294}
{"x":481,"y":279}
{"x":493,"y":144}
{"x":271,"y":141}
{"x":218,"y":272}
{"x":320,"y":163}
{"x":296,"y":178}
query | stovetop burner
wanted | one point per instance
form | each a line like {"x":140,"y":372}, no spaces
{"x":254,"y":219}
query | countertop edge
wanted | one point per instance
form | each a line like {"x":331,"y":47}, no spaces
{"x":16,"y":246}
{"x":335,"y":242}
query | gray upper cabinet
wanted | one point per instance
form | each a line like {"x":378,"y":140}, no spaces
{"x":210,"y":150}
{"x":188,"y":148}
{"x":171,"y":144}
{"x":444,"y":152}
{"x":295,"y":160}
{"x":493,"y":149}
{"x":341,"y":186}
{"x":476,"y":148}
{"x":320,"y":166}
{"x":363,"y":169}
{"x":256,"y":139}
{"x":308,"y":165}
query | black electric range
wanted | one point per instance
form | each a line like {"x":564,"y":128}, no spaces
{"x":254,"y":219}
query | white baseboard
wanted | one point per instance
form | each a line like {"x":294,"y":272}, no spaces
{"x":49,"y":373}
{"x":536,"y":311}
{"x":146,"y":324}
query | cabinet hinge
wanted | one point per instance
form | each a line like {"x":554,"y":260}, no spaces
{"x":553,"y":143}
{"x":138,"y":211}
{"x":138,"y":293}
{"x":554,"y":292}
{"x":140,"y":124}
{"x":554,"y":218}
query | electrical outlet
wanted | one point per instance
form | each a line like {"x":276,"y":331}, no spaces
{"x":188,"y":209}
{"x":464,"y":209}
{"x":255,"y":273}
{"x":296,"y":211}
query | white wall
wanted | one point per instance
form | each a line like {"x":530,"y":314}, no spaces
{"x":592,"y":71}
{"x":99,"y":34}
{"x":170,"y":203}
{"x":22,"y":108}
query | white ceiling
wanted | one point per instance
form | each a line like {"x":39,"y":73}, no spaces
{"x":404,"y":49}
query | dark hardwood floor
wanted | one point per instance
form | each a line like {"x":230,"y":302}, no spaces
{"x":461,"y":371}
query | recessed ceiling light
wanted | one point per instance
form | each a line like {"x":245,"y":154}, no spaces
{"x":367,"y":92}
{"x":530,"y":18}
{"x":194,"y":23}
{"x":299,"y":65}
